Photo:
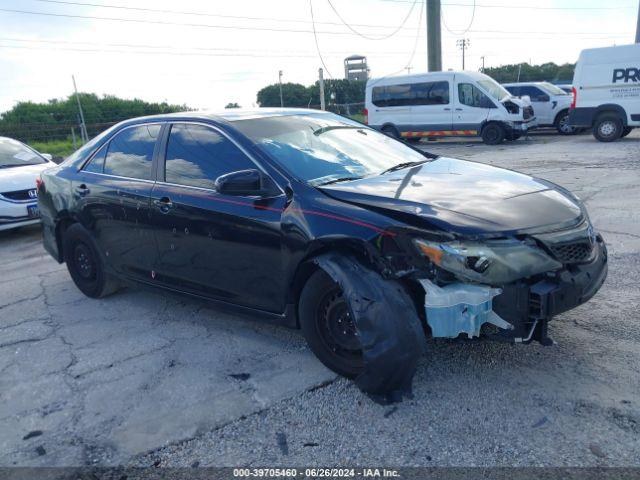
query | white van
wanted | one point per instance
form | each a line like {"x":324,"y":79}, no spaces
{"x":606,"y":91}
{"x":550,"y":104}
{"x":449,"y":103}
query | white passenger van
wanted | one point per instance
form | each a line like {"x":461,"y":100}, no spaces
{"x":449,"y":103}
{"x":606,"y":91}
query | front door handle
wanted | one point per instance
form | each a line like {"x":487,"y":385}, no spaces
{"x":164,"y":204}
{"x":82,"y":190}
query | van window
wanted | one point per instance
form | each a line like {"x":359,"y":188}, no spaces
{"x":470,"y":95}
{"x":424,"y":93}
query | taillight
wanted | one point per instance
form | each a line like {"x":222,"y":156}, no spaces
{"x":366,"y":116}
{"x":39,"y":184}
{"x":574,"y":92}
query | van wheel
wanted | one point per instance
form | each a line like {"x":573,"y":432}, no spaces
{"x":327,"y":325}
{"x":493,"y":134}
{"x":84,"y":263}
{"x":391,"y":132}
{"x":626,"y":131}
{"x":562,"y":124}
{"x":608,"y":127}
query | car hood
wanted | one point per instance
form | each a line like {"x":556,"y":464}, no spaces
{"x":464,"y":197}
{"x":521,"y":102}
{"x":21,"y":178}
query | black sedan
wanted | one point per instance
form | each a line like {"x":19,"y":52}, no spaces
{"x":319,"y":222}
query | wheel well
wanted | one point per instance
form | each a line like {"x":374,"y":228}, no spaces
{"x":61,"y":227}
{"x":611,"y":109}
{"x":389,"y":126}
{"x":561,"y":112}
{"x":308,"y":267}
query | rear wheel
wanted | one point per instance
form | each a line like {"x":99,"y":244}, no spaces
{"x":493,"y":134}
{"x":327,"y":325}
{"x":391,"y":131}
{"x":562,"y":124}
{"x":608,"y":127}
{"x":84,"y":263}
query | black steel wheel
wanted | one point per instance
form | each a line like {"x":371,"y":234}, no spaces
{"x":327,"y":324}
{"x":84,"y":263}
{"x":493,"y":134}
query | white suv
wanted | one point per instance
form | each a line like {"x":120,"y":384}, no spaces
{"x":550,"y":104}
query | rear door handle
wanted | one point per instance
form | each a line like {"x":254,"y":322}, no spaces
{"x":82,"y":190}
{"x":459,"y":109}
{"x":447,"y":109}
{"x":164,"y":204}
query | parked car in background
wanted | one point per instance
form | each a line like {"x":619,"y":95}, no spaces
{"x":550,"y":104}
{"x":606,"y":91}
{"x":439,"y":104}
{"x":20,"y":166}
{"x":322,"y":223}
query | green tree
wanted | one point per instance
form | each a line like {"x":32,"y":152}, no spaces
{"x":549,"y":72}
{"x":293,"y":95}
{"x":232,"y":105}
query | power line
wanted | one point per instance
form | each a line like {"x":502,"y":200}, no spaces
{"x":367,"y":37}
{"x":473,"y":15}
{"x":315,"y":37}
{"x":523,"y":7}
{"x":201,"y":13}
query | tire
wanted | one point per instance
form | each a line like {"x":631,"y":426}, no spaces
{"x":85,"y":264}
{"x":562,"y":124}
{"x":324,"y":314}
{"x":413,"y":139}
{"x":626,"y":131}
{"x":391,"y":132}
{"x":608,"y":127}
{"x":493,"y":134}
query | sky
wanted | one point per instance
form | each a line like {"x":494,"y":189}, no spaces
{"x":207,"y":53}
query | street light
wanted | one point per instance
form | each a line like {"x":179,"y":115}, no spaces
{"x":463,"y":44}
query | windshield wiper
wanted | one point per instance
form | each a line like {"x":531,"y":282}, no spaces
{"x":337,"y":180}
{"x":322,"y":130}
{"x":400,"y":166}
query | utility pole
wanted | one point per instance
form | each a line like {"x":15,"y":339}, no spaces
{"x":83,"y":126}
{"x":280,"y":82}
{"x":463,"y":43}
{"x":321,"y":82}
{"x":434,"y":36}
{"x":409,"y":70}
{"x":482,"y":57}
{"x":638,"y":25}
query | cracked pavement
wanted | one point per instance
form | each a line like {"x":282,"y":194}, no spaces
{"x":148,"y":378}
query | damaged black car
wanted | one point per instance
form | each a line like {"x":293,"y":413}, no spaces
{"x":365,"y":243}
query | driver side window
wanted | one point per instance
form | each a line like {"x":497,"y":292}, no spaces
{"x":471,"y":96}
{"x":197,"y":155}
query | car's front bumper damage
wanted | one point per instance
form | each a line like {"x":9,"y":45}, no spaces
{"x":520,"y":311}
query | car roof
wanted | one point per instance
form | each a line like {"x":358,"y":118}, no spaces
{"x":229,"y":115}
{"x":515,"y":84}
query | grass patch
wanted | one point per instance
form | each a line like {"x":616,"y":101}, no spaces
{"x":57,"y":148}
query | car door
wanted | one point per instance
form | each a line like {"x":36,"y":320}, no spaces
{"x":472,"y":107}
{"x":543,"y":107}
{"x":226,"y":247}
{"x":431,"y":107}
{"x":112,"y":195}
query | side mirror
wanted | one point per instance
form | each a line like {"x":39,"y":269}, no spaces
{"x":242,"y":182}
{"x":543,"y":98}
{"x":47,"y":156}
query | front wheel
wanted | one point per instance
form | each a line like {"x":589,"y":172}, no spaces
{"x":327,"y":324}
{"x":493,"y":134}
{"x":608,"y":127}
{"x":84,"y":263}
{"x":563,"y":126}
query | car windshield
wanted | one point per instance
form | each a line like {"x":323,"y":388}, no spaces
{"x":326,"y":148}
{"x":15,"y":154}
{"x":551,"y":89}
{"x":494,"y":89}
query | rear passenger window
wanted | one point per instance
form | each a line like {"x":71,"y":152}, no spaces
{"x":96,"y":164}
{"x":425,"y":93}
{"x":130,"y":152}
{"x":197,"y":156}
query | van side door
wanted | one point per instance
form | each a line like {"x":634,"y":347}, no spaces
{"x":431,"y":110}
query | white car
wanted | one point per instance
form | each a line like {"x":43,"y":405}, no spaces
{"x":20,"y":165}
{"x":444,"y":104}
{"x":606,"y":91}
{"x":550,"y":104}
